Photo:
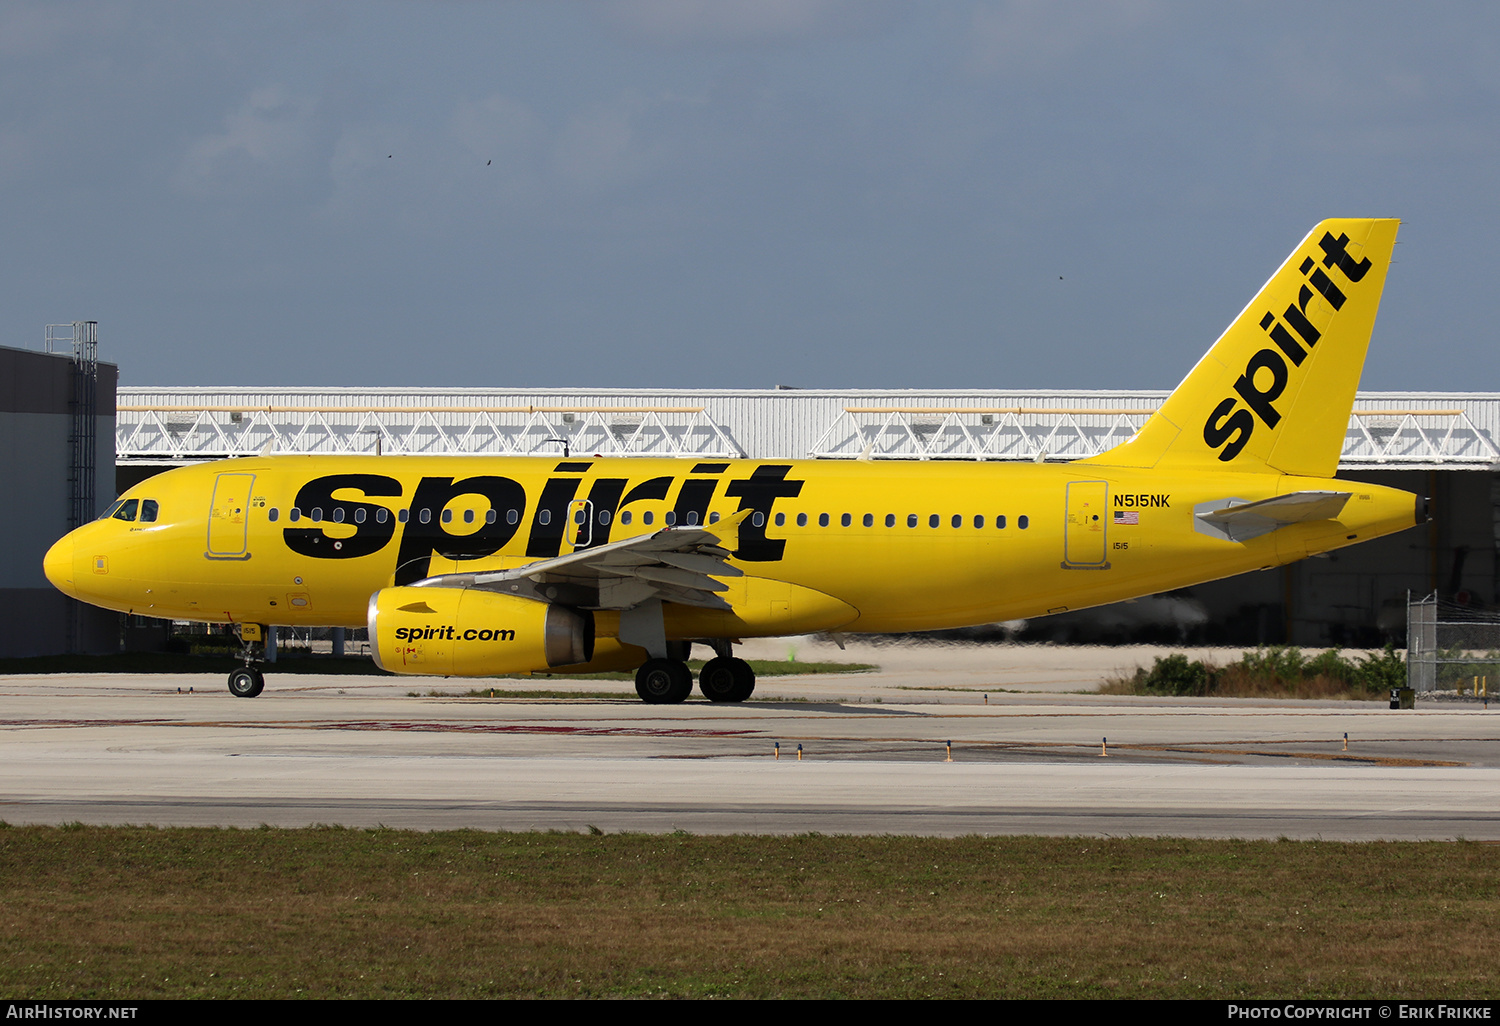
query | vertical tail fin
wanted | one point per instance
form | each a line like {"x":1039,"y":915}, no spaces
{"x":1275,"y":391}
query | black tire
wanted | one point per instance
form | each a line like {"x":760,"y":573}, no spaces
{"x":663,"y":681}
{"x":726,"y":679}
{"x":246,"y":683}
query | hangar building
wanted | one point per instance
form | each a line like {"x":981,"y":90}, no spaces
{"x":1443,"y":445}
{"x":57,"y":433}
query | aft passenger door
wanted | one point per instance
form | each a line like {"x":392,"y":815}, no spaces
{"x":1088,"y":518}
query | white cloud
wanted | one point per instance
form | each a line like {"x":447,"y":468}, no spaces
{"x":498,"y":128}
{"x":601,"y":147}
{"x":274,"y":139}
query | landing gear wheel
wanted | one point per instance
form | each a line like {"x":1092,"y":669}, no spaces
{"x":246,"y":683}
{"x":663,"y":681}
{"x":726,"y":679}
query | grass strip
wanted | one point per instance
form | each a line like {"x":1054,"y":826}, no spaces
{"x":333,"y":913}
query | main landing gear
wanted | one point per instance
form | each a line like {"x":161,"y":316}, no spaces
{"x":668,"y":681}
{"x":726,"y":679}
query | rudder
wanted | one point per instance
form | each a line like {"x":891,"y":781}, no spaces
{"x":1274,"y":393}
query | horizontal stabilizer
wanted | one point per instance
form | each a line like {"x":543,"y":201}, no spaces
{"x":1241,"y":521}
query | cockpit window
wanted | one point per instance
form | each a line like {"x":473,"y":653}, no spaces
{"x":148,"y":511}
{"x":126,"y":509}
{"x":107,"y":514}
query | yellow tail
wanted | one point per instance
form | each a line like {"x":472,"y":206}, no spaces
{"x":1275,"y":391}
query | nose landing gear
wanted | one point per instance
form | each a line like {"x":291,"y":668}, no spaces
{"x":248,"y":681}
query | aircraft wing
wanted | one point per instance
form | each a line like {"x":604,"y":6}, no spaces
{"x":1243,"y":521}
{"x":674,"y":564}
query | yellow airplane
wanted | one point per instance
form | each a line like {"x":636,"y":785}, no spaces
{"x":478,"y":566}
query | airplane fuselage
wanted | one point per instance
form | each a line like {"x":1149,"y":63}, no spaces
{"x":827,"y":545}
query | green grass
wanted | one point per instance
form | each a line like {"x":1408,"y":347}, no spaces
{"x":196,"y":913}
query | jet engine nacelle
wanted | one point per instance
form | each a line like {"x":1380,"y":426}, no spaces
{"x":469,"y":632}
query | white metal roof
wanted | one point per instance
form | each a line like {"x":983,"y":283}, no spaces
{"x":1405,"y":430}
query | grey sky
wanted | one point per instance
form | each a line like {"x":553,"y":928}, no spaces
{"x":724,"y":193}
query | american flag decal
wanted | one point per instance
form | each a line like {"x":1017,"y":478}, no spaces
{"x":1127,"y":516}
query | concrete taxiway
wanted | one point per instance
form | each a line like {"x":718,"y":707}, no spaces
{"x":363,"y":751}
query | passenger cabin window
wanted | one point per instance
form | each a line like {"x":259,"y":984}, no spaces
{"x":933,"y":520}
{"x":869,"y":519}
{"x":489,"y":516}
{"x":402,"y":516}
{"x":426,"y":516}
{"x":979,"y":520}
{"x":670,"y":518}
{"x":625,"y":517}
{"x":758,"y":519}
{"x":148,"y":511}
{"x":781,"y":520}
{"x":1000,"y":522}
{"x":273,"y":514}
{"x":126,"y":510}
{"x":801,"y":519}
{"x":822,"y":519}
{"x":512,"y":516}
{"x":958,"y":520}
{"x":1023,"y":522}
{"x":294,"y":514}
{"x":382,"y":514}
{"x":911,"y":520}
{"x":647,"y":517}
{"x":890,"y":520}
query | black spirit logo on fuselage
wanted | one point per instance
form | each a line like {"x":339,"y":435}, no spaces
{"x":426,"y":530}
{"x":1231,"y":425}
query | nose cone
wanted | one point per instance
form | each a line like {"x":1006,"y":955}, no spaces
{"x":58,"y":566}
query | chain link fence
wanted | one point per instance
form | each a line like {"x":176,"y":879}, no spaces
{"x":1450,"y":647}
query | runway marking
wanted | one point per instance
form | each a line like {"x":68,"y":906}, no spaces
{"x":1374,"y":760}
{"x":516,"y":728}
{"x":36,"y":724}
